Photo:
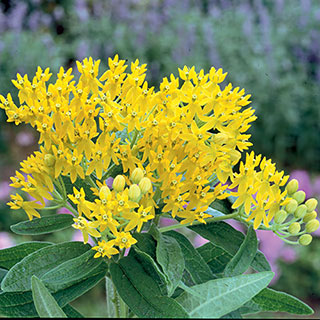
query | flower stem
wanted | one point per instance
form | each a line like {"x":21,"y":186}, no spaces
{"x":213,"y":219}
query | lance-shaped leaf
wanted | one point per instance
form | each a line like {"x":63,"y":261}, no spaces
{"x":216,"y":257}
{"x":226,"y":237}
{"x":170,"y":258}
{"x":40,"y":262}
{"x":10,"y":256}
{"x":43,"y":225}
{"x":20,"y":304}
{"x":245,"y":255}
{"x":219,"y":297}
{"x":141,"y":293}
{"x":46,"y":305}
{"x":71,"y":271}
{"x":195,"y":265}
{"x":276,"y":301}
{"x":151,"y":268}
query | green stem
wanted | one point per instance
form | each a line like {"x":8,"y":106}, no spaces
{"x":71,"y":208}
{"x":134,"y":138}
{"x":120,"y":306}
{"x":213,"y":219}
{"x":63,"y":187}
{"x":53,"y":207}
{"x":91,"y":182}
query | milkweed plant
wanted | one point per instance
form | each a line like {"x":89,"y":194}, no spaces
{"x":119,"y":155}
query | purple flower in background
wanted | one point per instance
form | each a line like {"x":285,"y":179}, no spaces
{"x":199,"y":241}
{"x":109,"y":182}
{"x":304,"y":181}
{"x":24,"y":138}
{"x":63,"y":211}
{"x":5,"y":240}
{"x":4,"y":190}
{"x":77,"y":236}
{"x":274,"y":248}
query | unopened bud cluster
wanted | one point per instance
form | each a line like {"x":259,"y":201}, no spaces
{"x":298,"y":217}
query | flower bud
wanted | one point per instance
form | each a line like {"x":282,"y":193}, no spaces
{"x":292,"y":206}
{"x":312,"y":225}
{"x":305,"y":239}
{"x":309,"y":216}
{"x":294,"y":228}
{"x":311,"y":204}
{"x":136,"y":175}
{"x":145,"y":185}
{"x":104,"y":192}
{"x":280,"y":216}
{"x":49,"y":160}
{"x":292,"y":186}
{"x":301,"y":211}
{"x":300,"y":196}
{"x":119,"y":183}
{"x":134,"y":193}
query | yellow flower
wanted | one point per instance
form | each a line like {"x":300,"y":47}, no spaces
{"x":86,"y":227}
{"x":124,"y":240}
{"x":105,"y":249}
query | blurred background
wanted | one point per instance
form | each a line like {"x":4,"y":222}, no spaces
{"x":271,"y":48}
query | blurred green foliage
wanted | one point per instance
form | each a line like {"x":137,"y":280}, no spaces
{"x":302,"y":277}
{"x":270,"y":48}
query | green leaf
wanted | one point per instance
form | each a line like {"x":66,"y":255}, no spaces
{"x":216,"y":257}
{"x":216,"y":298}
{"x":223,"y":206}
{"x":43,"y":225}
{"x":46,"y":305}
{"x":244,"y":257}
{"x":10,"y":256}
{"x":72,"y":312}
{"x":71,"y":271}
{"x":151,"y":268}
{"x":20,"y":304}
{"x":40,"y":262}
{"x":170,"y":258}
{"x":141,"y":293}
{"x":146,"y":243}
{"x":272,"y":300}
{"x":195,"y":265}
{"x":3,"y":273}
{"x":225,"y":236}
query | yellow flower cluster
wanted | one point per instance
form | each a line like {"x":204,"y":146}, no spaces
{"x":170,"y":145}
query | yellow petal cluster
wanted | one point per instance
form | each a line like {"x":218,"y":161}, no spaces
{"x":169,"y":145}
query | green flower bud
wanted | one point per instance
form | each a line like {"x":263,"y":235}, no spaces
{"x":312,"y":225}
{"x":49,"y":160}
{"x":292,"y":186}
{"x":305,"y":239}
{"x":300,"y":196}
{"x":136,"y":175}
{"x":311,"y":204}
{"x":145,"y":185}
{"x":294,"y":228}
{"x":134,"y":193}
{"x":119,"y":183}
{"x":292,"y":206}
{"x":301,"y":211}
{"x":104,"y":192}
{"x":280,"y":216}
{"x":309,"y":216}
